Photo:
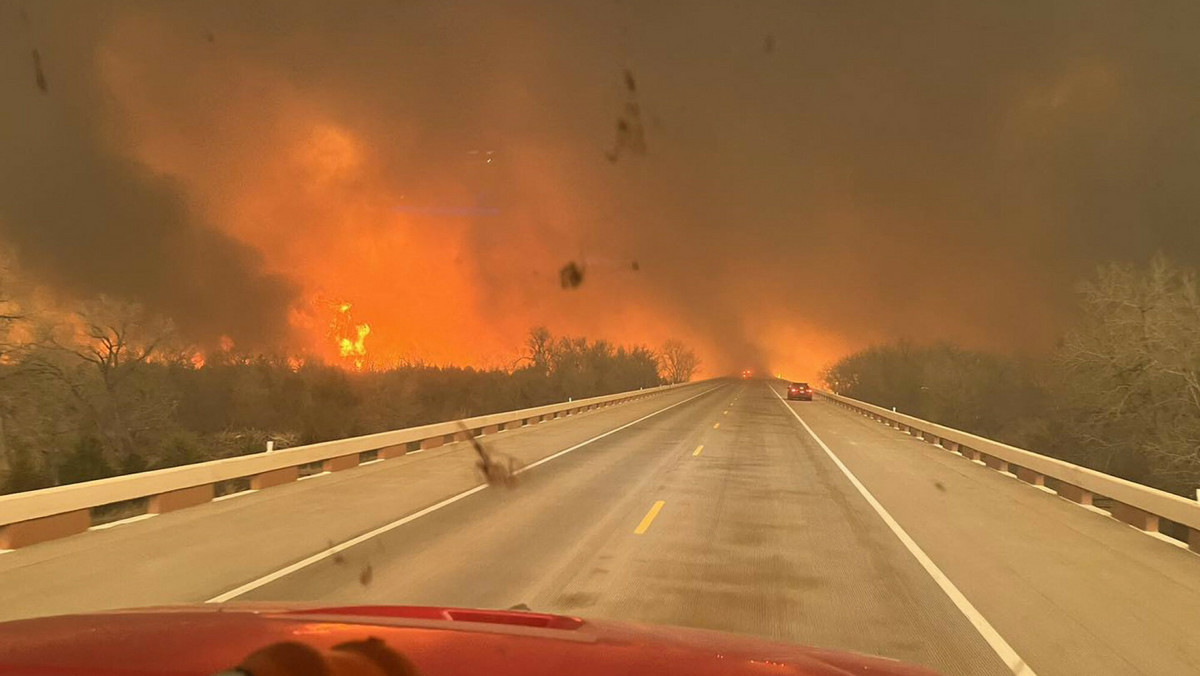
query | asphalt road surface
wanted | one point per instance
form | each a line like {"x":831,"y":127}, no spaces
{"x":712,"y":506}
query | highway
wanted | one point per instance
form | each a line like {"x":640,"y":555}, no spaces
{"x":716,"y":506}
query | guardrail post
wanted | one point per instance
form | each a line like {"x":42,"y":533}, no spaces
{"x":432,"y":442}
{"x":340,"y":463}
{"x":1074,"y":493}
{"x":513,"y":424}
{"x":394,"y":451}
{"x":1031,"y":477}
{"x":950,"y":445}
{"x":274,"y":478}
{"x":184,"y":497}
{"x":1194,"y":540}
{"x":1135,"y":517}
{"x":969,"y":453}
{"x":995,"y":463}
{"x":490,"y":429}
{"x":23,"y":533}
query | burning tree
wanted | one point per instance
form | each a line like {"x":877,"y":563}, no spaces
{"x":351,"y":338}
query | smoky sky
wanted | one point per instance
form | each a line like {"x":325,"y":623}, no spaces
{"x":89,"y":220}
{"x":792,"y":173}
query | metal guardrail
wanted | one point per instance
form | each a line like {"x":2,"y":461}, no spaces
{"x":1135,"y":504}
{"x":36,"y":516}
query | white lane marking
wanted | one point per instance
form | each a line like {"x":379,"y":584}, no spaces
{"x":271,"y":577}
{"x":230,"y":496}
{"x":122,"y":522}
{"x":612,"y":431}
{"x":985,"y":628}
{"x":303,"y":563}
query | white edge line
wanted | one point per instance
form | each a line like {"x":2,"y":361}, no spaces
{"x":1046,"y":489}
{"x":303,"y":563}
{"x":612,"y":431}
{"x":313,"y":476}
{"x":230,"y":496}
{"x":371,"y":462}
{"x":985,"y":628}
{"x":122,"y":522}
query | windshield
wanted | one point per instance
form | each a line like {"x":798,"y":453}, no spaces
{"x":493,"y":306}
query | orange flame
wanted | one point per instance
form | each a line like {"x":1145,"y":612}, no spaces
{"x":351,"y":346}
{"x":356,"y":348}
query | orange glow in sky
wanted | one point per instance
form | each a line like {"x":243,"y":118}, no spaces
{"x":428,"y":279}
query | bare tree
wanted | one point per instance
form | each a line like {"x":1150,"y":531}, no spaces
{"x":11,"y":313}
{"x":100,"y":359}
{"x":539,"y":346}
{"x":1134,"y":370}
{"x":677,"y":362}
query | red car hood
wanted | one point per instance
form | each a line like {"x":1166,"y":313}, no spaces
{"x":201,"y":640}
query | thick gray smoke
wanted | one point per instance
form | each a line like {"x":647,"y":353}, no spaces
{"x":789,"y":176}
{"x":87,"y":219}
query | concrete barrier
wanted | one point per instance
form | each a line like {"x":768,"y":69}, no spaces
{"x":1135,"y":504}
{"x":36,"y":516}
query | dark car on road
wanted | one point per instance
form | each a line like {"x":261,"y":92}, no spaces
{"x":799,"y":391}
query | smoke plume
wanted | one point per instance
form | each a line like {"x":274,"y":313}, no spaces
{"x":793,"y":180}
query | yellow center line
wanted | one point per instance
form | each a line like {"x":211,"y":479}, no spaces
{"x":698,"y":449}
{"x":717,"y":426}
{"x":645,"y":524}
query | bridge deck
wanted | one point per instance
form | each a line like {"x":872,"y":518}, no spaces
{"x":759,"y":531}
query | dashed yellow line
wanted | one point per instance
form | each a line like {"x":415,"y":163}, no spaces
{"x":717,"y":426}
{"x":698,"y":449}
{"x":646,"y":520}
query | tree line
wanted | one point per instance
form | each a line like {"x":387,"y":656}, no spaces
{"x":1120,"y":393}
{"x":107,"y":390}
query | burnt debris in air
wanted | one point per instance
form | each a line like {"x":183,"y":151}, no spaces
{"x":208,"y":35}
{"x":367,"y":575}
{"x":940,"y":486}
{"x":769,"y":44}
{"x":571,"y":275}
{"x":631,"y":133}
{"x":497,"y":469}
{"x":634,"y":266}
{"x":38,"y":74}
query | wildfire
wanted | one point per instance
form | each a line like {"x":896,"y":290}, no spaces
{"x":356,"y":348}
{"x":351,"y":338}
